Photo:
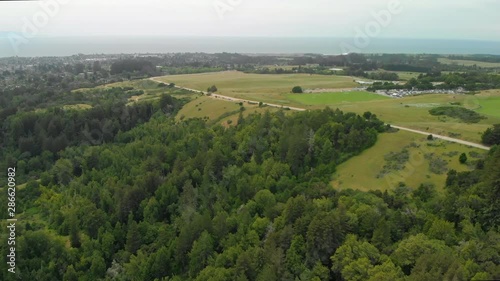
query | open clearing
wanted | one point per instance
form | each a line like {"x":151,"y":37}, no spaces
{"x":470,"y":63}
{"x":260,"y":87}
{"x":150,"y":88}
{"x":365,"y":171}
{"x":219,"y":110}
{"x":81,"y":106}
{"x":335,"y":98}
{"x":203,"y":106}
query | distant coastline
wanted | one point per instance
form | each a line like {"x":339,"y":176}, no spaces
{"x":66,"y":46}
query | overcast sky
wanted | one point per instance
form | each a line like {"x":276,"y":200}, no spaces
{"x":446,"y":19}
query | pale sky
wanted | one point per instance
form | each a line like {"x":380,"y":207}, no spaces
{"x":445,"y":19}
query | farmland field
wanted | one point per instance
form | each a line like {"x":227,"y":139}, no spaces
{"x":366,"y":171}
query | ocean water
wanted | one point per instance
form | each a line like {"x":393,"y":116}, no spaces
{"x":65,"y":46}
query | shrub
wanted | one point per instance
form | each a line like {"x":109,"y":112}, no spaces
{"x":212,"y":89}
{"x":464,"y":114}
{"x":463,"y":158}
{"x":297,"y":90}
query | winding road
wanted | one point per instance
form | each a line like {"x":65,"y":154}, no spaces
{"x":222,"y":97}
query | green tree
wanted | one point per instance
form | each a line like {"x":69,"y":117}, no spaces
{"x":357,"y":270}
{"x":201,"y":253}
{"x":133,"y":236}
{"x":443,"y":230}
{"x":492,"y":135}
{"x":98,"y":266}
{"x":411,"y":248}
{"x":324,"y":235}
{"x":295,"y":256}
{"x":63,"y":171}
{"x":386,"y":271}
{"x":212,"y":89}
{"x":70,"y":274}
{"x":297,"y":90}
{"x":161,"y":263}
{"x":463,"y":158}
{"x":265,"y":202}
{"x":436,"y":266}
{"x":74,"y":232}
{"x":367,"y":115}
{"x":354,"y":258}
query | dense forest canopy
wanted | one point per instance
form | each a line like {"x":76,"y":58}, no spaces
{"x":123,"y":191}
{"x":191,"y":201}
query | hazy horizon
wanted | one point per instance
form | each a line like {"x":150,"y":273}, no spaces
{"x":64,"y":27}
{"x":426,"y":19}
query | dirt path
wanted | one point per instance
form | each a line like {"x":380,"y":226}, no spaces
{"x":217,"y":96}
{"x":443,"y":137}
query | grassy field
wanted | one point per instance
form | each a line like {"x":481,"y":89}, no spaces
{"x":365,"y":171}
{"x":403,"y":75}
{"x":489,"y":103}
{"x":201,"y":107}
{"x":81,"y":106}
{"x":411,"y":112}
{"x":261,"y":87}
{"x":220,"y":111}
{"x":335,"y":98}
{"x":469,"y":63}
{"x":150,"y":88}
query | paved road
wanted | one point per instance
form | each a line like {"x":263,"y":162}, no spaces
{"x":217,"y":96}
